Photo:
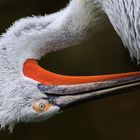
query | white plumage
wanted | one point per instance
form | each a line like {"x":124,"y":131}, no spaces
{"x":33,"y":37}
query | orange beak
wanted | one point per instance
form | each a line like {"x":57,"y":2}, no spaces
{"x":78,"y":89}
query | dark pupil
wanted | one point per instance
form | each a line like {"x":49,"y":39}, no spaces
{"x":42,"y":106}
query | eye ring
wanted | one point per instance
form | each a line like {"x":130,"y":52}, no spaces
{"x":41,"y":106}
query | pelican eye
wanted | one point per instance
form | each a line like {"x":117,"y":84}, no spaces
{"x":41,"y":106}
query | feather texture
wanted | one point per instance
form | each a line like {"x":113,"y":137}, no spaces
{"x":33,"y":37}
{"x":125,"y":18}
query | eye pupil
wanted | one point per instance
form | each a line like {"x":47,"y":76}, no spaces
{"x":41,"y":106}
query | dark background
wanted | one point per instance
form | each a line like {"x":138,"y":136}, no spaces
{"x":113,"y":118}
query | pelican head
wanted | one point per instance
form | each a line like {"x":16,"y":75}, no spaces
{"x":30,"y":93}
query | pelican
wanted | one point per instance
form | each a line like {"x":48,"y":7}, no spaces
{"x":30,"y":93}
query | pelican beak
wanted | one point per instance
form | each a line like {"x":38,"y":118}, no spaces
{"x":68,"y":91}
{"x":66,"y":96}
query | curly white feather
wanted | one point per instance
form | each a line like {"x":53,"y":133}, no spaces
{"x":125,"y":18}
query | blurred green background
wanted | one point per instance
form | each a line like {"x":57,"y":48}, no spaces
{"x":113,"y":118}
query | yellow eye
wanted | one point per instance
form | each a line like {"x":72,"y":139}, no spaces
{"x":41,"y":106}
